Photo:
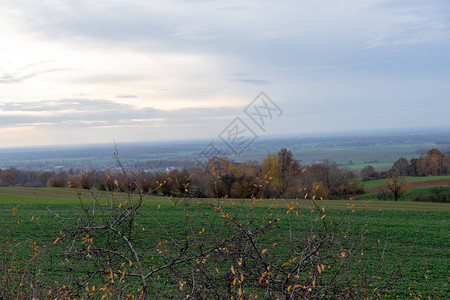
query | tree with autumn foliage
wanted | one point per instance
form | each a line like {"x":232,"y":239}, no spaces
{"x":434,"y":162}
{"x":283,"y":172}
{"x":396,"y":184}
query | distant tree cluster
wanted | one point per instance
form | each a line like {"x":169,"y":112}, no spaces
{"x":279,"y":176}
{"x":13,"y":177}
{"x":433,"y":163}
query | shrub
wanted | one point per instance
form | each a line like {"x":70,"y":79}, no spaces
{"x":58,"y":180}
{"x":440,"y":194}
{"x":431,"y":198}
{"x":384,"y":195}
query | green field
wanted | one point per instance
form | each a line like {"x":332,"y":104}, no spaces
{"x":379,"y":156}
{"x":413,"y":235}
{"x":382,"y":182}
{"x":404,"y":198}
{"x":15,"y":195}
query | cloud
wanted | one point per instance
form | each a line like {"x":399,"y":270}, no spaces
{"x":254,"y":81}
{"x":194,"y":65}
{"x":193,"y":33}
{"x":26,"y":72}
{"x":406,"y":25}
{"x":102,"y":113}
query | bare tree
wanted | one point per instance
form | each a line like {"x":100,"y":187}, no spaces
{"x":396,"y":184}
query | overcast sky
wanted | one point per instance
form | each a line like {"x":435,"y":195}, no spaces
{"x":74,"y":72}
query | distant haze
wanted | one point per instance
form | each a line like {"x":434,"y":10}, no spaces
{"x":75,"y":72}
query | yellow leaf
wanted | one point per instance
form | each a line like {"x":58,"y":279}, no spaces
{"x":314,"y":284}
{"x":56,"y":241}
{"x":232,"y":270}
{"x":264,"y":251}
{"x":116,"y":182}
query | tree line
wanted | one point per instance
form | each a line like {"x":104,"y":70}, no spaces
{"x":278,"y":176}
{"x":433,"y":163}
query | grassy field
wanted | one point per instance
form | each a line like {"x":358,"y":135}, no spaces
{"x":382,"y":182}
{"x":14,"y":195}
{"x":414,"y":233}
{"x":404,"y":198}
{"x":379,"y":156}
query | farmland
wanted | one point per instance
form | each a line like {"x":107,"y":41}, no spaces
{"x":353,"y":151}
{"x":431,"y":180}
{"x":414,"y":235}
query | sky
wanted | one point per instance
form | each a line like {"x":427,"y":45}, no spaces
{"x":82,"y":72}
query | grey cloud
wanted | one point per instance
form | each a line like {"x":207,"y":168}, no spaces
{"x":106,"y":21}
{"x":254,"y":81}
{"x":267,"y":34}
{"x":234,"y":8}
{"x":87,"y":113}
{"x":110,"y":78}
{"x":62,"y":104}
{"x":249,"y":78}
{"x":193,"y":33}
